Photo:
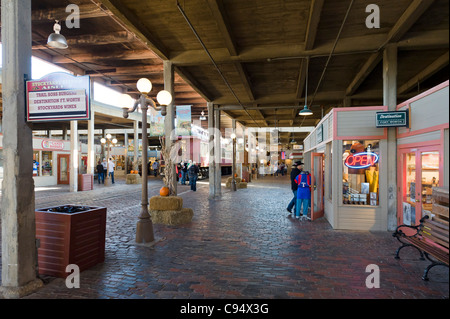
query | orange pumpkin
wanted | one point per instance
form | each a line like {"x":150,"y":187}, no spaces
{"x":131,"y":172}
{"x":235,"y":175}
{"x":164,"y":191}
{"x":243,"y":180}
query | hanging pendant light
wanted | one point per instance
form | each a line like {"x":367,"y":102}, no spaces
{"x":305,"y":110}
{"x":57,"y":40}
{"x":202,"y":116}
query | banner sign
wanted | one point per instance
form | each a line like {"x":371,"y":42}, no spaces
{"x":392,"y":119}
{"x":58,"y":97}
{"x":183,"y":127}
{"x":156,"y":125}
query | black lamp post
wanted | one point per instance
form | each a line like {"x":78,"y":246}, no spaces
{"x":144,"y":227}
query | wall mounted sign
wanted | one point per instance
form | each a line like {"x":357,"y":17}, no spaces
{"x":53,"y":145}
{"x":361,"y":160}
{"x":392,"y":119}
{"x":58,"y":97}
{"x":319,"y":134}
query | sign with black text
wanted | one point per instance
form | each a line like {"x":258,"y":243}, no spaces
{"x":58,"y":97}
{"x":392,"y":119}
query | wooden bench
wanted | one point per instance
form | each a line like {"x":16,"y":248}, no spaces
{"x":430,"y":238}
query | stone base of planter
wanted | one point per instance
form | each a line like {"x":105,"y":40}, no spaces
{"x":172,"y":217}
{"x":133,"y":179}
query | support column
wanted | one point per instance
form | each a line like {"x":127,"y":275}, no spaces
{"x":91,"y":130}
{"x":169,"y":120}
{"x":212,"y":151}
{"x":136,"y":145}
{"x":125,"y":143}
{"x":74,"y":156}
{"x":218,"y":157}
{"x":390,"y":100}
{"x":18,"y":233}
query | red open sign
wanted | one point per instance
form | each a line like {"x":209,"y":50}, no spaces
{"x":361,"y":160}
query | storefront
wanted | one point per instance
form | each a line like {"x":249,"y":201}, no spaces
{"x":422,"y":150}
{"x":346,"y":155}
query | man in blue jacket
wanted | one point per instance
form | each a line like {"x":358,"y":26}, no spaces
{"x":303,"y":181}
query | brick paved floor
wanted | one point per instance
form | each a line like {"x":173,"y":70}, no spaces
{"x":239,"y":246}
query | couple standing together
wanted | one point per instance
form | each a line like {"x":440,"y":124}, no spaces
{"x":301,"y":189}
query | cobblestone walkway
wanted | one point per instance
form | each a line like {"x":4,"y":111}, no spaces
{"x":239,"y":246}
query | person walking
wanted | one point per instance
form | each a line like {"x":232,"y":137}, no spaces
{"x":183,"y":169}
{"x":193,"y":175}
{"x":296,"y":170}
{"x":100,"y":173}
{"x":303,"y":181}
{"x":111,"y":166}
{"x":155,"y":167}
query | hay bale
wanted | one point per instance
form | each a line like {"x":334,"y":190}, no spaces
{"x":166,"y":203}
{"x":172,"y":217}
{"x":242,"y":185}
{"x":133,"y":179}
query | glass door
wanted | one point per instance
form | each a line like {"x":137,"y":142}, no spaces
{"x":63,"y":168}
{"x":419,"y":173}
{"x":317,"y":191}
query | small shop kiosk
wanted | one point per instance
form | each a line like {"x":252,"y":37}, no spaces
{"x":346,"y":155}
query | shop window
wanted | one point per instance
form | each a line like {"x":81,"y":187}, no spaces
{"x":36,"y":163}
{"x":47,"y":164}
{"x":360,"y":172}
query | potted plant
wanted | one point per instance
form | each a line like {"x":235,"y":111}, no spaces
{"x":70,"y":234}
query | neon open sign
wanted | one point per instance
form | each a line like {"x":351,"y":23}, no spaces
{"x":361,"y":160}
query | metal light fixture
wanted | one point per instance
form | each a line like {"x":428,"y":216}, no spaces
{"x":144,"y":227}
{"x":57,"y":40}
{"x":306,"y":111}
{"x":202,"y":116}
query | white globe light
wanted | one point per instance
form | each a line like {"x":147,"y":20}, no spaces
{"x":144,"y":85}
{"x":108,"y":136}
{"x":233,"y":136}
{"x":103,"y":140}
{"x":114,"y":140}
{"x":164,"y":97}
{"x":126,"y":101}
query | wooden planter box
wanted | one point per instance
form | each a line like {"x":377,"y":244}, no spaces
{"x":85,"y":182}
{"x":70,"y":238}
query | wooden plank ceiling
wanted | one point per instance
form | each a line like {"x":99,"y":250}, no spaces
{"x":258,"y":60}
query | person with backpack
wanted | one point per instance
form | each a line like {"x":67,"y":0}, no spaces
{"x":303,"y":181}
{"x":297,"y":168}
{"x":193,"y":175}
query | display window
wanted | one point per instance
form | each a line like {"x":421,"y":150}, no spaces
{"x":47,"y":163}
{"x":361,"y":172}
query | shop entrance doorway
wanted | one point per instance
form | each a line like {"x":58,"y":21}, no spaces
{"x":63,"y":168}
{"x":317,"y":190}
{"x":418,"y":174}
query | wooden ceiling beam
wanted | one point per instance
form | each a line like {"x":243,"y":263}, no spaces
{"x":132,"y":24}
{"x":221,"y":20}
{"x":434,"y":67}
{"x":52,"y":14}
{"x":90,"y":39}
{"x":92,"y":57}
{"x":313,"y":23}
{"x":401,"y":27}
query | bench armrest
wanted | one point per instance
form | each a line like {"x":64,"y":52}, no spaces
{"x":407,"y":231}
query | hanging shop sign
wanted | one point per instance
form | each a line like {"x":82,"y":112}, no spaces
{"x":183,"y":123}
{"x":392,"y":119}
{"x":58,"y":97}
{"x":361,"y":160}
